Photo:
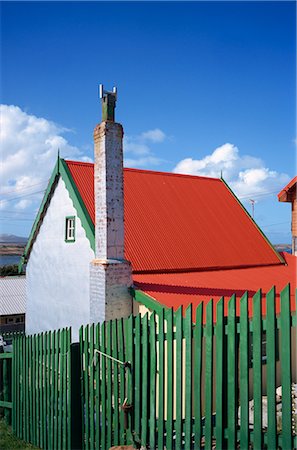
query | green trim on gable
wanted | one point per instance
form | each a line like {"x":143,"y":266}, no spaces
{"x":147,"y":301}
{"x":42,"y":209}
{"x":61,"y":169}
{"x":78,"y":203}
{"x":258,"y":228}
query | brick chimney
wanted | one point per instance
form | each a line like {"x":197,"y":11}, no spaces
{"x":110,"y":273}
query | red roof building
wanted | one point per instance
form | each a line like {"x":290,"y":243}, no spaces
{"x":189,"y":239}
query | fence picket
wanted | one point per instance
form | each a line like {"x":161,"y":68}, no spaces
{"x":137,"y":371}
{"x":62,"y":350}
{"x":64,"y":388}
{"x":45,"y":388}
{"x":37,"y":397}
{"x":169,"y":411}
{"x":271,"y":372}
{"x":115,"y":354}
{"x":122,"y":379}
{"x":161,"y":379}
{"x":108,"y":386}
{"x":285,"y":354}
{"x":86,"y":385}
{"x":153,"y":369}
{"x":179,"y":381}
{"x":91,"y":386}
{"x":69,"y":387}
{"x":27,"y":356}
{"x":52,"y":402}
{"x":188,"y":377}
{"x":144,"y":415}
{"x":219,"y":335}
{"x":82,"y":383}
{"x":197,"y":375}
{"x":257,"y":368}
{"x":231,"y":355}
{"x":97,"y":390}
{"x":244,"y":372}
{"x":208,"y":374}
{"x":103,"y":386}
{"x":13,"y":386}
{"x":23,"y":364}
{"x":48,"y":392}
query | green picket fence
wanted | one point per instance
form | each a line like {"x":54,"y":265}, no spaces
{"x":166,"y":382}
{"x":41,"y":389}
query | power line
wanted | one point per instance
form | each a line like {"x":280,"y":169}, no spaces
{"x":23,"y":189}
{"x":15,"y":212}
{"x":20,"y":196}
{"x":11,"y":219}
{"x":257,"y":195}
{"x":273,"y":224}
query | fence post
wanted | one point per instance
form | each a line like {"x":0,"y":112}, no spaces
{"x":76,"y":407}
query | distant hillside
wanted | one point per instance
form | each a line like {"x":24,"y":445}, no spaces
{"x":12,"y":239}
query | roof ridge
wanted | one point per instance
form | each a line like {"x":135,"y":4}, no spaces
{"x":146,"y":171}
{"x":204,"y":269}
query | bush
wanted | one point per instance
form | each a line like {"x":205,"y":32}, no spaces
{"x":9,"y":270}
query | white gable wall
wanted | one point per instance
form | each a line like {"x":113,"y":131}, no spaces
{"x":58,"y":272}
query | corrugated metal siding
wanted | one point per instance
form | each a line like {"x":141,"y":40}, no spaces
{"x":181,"y":222}
{"x":181,"y":289}
{"x":12,"y":295}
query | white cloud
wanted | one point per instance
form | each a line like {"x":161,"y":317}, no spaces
{"x":155,"y":135}
{"x":245,"y":174}
{"x":29,"y":147}
{"x":137,"y":149}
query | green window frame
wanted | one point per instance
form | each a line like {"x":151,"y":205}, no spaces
{"x":70,"y":229}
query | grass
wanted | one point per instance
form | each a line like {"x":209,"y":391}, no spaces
{"x":9,"y":442}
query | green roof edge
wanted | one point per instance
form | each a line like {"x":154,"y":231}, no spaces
{"x":257,"y":226}
{"x":60,"y":169}
{"x":78,"y":203}
{"x":147,"y":301}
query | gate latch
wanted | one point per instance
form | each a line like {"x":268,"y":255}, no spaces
{"x":127,"y":408}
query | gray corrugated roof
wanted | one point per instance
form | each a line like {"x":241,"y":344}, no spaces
{"x":12,"y":295}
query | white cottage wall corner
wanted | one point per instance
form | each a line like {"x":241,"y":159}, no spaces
{"x":58,"y":272}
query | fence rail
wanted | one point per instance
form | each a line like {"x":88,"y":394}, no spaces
{"x":162,"y":381}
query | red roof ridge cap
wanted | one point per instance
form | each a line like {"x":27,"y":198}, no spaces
{"x":78,"y":163}
{"x":205,"y":269}
{"x":156,"y":172}
{"x":145,"y":171}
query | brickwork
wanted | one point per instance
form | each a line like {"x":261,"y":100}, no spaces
{"x":110,"y":274}
{"x":109,"y":294}
{"x":109,"y":196}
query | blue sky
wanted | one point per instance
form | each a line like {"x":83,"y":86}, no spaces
{"x":202,"y":87}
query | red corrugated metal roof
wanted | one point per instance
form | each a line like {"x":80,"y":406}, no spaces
{"x":181,"y":289}
{"x":282,"y":196}
{"x":180,"y":222}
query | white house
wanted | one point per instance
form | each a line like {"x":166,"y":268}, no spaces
{"x":108,"y":241}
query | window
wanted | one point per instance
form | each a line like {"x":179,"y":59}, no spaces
{"x":70,"y":229}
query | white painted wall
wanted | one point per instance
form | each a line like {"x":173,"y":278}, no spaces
{"x":58,"y":272}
